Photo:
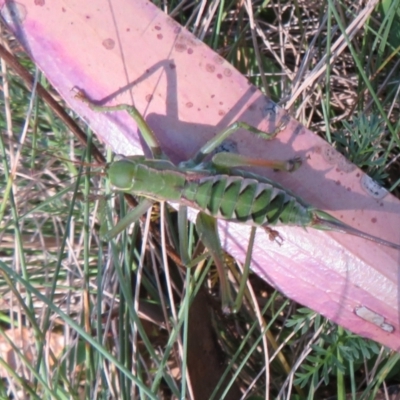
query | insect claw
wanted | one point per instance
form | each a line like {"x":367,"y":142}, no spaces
{"x":79,"y":94}
{"x":294,"y":164}
{"x":273,"y":235}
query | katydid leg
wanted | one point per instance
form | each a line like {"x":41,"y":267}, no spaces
{"x":183,"y":234}
{"x":129,"y":218}
{"x":246,"y":271}
{"x":147,"y":133}
{"x":213,"y":143}
{"x":231,"y":160}
{"x":207,"y":229}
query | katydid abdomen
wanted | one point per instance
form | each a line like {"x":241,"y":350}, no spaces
{"x":245,"y":200}
{"x":238,"y":197}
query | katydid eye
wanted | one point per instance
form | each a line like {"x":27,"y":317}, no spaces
{"x":121,"y":174}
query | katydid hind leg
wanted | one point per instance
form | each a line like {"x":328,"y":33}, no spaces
{"x":207,"y":229}
{"x":246,"y":271}
{"x":230,"y":160}
{"x":183,"y":234}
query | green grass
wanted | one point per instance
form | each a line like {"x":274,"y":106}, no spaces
{"x":119,"y":309}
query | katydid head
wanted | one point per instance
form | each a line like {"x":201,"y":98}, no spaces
{"x":121,"y":173}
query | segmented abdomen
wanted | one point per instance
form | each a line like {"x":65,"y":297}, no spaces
{"x":246,"y":200}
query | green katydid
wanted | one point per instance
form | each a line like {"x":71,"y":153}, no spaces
{"x":217,"y":188}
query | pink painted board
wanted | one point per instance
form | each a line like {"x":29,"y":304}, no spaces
{"x":125,"y":51}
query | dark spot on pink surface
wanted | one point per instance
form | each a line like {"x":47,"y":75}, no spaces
{"x":219,"y":76}
{"x":159,"y":36}
{"x":177,"y":29}
{"x":149,"y":98}
{"x":252,"y":107}
{"x":189,"y":104}
{"x":157,"y":28}
{"x":87,"y":16}
{"x":227,"y":72}
{"x":212,"y":96}
{"x":358,"y":174}
{"x":210,"y":68}
{"x":63,"y":9}
{"x":374,"y":220}
{"x":221,"y":112}
{"x":180,"y":47}
{"x":108,"y":44}
{"x":190,"y":51}
{"x":337,"y":183}
{"x":221,"y":103}
{"x":40,"y":2}
{"x":172,"y":66}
